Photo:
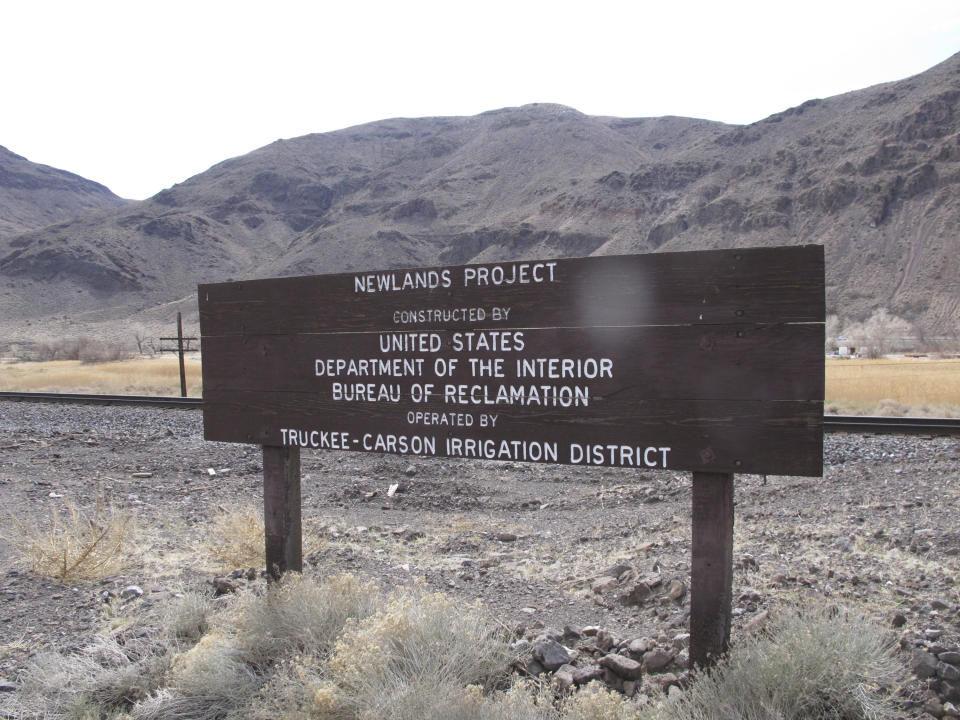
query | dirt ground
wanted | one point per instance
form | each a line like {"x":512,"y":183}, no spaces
{"x":879,"y":532}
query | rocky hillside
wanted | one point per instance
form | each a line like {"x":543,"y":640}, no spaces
{"x":33,"y":196}
{"x":873,"y":175}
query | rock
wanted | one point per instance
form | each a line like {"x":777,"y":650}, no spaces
{"x":604,"y":584}
{"x":682,"y":660}
{"x":933,"y":633}
{"x":624,"y":667}
{"x":640,"y":646}
{"x":409,"y":534}
{"x":665,"y":680}
{"x":950,"y":656}
{"x":224,"y":586}
{"x":617,"y":570}
{"x":571,"y":633}
{"x":923,"y":664}
{"x":506,"y":537}
{"x":534,"y":667}
{"x":612,"y":680}
{"x":636,"y":595}
{"x":950,"y":710}
{"x":551,"y":654}
{"x":604,"y":641}
{"x":657,"y":659}
{"x":410,"y":471}
{"x":899,"y":620}
{"x":939,"y":604}
{"x":630,"y":688}
{"x":676,"y":590}
{"x":564,"y":676}
{"x":584,"y":675}
{"x":681,"y":641}
{"x":590,"y":630}
{"x":7,"y":686}
{"x":142,"y":475}
{"x":130,"y":592}
{"x":934,"y":707}
{"x":950,"y":673}
{"x":653,"y":580}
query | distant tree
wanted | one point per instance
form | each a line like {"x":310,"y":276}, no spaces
{"x":883,"y":333}
{"x":832,"y":330}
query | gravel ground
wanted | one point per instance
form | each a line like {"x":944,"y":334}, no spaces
{"x":879,"y":532}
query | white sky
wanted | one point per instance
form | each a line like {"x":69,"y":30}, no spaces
{"x":139,"y":96}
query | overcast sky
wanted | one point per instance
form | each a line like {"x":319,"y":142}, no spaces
{"x":140,"y":96}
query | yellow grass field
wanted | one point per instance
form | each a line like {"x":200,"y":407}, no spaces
{"x":902,"y":386}
{"x":141,"y":376}
{"x":905,"y":386}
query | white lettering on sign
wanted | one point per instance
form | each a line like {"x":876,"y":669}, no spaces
{"x":509,"y":274}
{"x":523,"y":450}
{"x":403,"y":444}
{"x":555,"y":368}
{"x":410,"y":342}
{"x":620,"y":455}
{"x":395,"y":281}
{"x":365,"y":392}
{"x":324,"y":439}
{"x":493,"y":340}
{"x":369,"y":367}
{"x":441,"y":315}
{"x":436,"y":418}
{"x":539,"y":395}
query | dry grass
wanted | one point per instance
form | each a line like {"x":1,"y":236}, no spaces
{"x":142,"y":376}
{"x":914,"y":386}
{"x":77,"y":546}
{"x":337,"y":650}
{"x":236,"y":538}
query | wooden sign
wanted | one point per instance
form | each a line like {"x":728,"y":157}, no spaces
{"x":704,"y":361}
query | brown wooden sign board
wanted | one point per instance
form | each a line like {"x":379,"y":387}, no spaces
{"x":703,"y":361}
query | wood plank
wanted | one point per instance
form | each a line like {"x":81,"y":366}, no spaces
{"x":720,"y":436}
{"x":758,"y":285}
{"x":711,"y":587}
{"x":281,"y":510}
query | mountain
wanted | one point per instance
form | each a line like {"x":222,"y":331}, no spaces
{"x":873,"y":175}
{"x":33,"y":196}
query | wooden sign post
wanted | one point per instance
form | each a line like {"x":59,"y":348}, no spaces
{"x":709,"y":362}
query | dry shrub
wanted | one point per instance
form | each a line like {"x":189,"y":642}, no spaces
{"x":816,"y":663}
{"x":102,"y":680}
{"x":262,"y":652}
{"x":300,"y":616}
{"x":597,"y":702}
{"x":891,"y":408}
{"x":188,"y":619}
{"x":236,"y":538}
{"x":80,"y":546}
{"x":413,"y":646}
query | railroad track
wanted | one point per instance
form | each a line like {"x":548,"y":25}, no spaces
{"x":77,"y":398}
{"x":831,"y":423}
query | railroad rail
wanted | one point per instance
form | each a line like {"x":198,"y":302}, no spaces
{"x":78,"y":398}
{"x":831,"y":423}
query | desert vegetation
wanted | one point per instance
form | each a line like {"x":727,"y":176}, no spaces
{"x":338,"y":648}
{"x":135,"y":376}
{"x":75,"y":544}
{"x":897,"y":387}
